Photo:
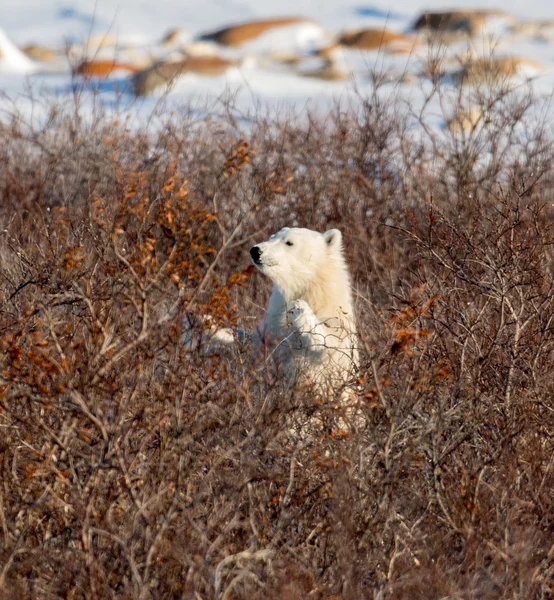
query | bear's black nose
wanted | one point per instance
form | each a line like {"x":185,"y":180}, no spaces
{"x":255,"y":253}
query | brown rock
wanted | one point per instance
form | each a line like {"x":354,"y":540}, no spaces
{"x":328,"y":73}
{"x":41,"y":53}
{"x":328,"y":51}
{"x":489,"y":70}
{"x":399,"y":49}
{"x":286,"y":57}
{"x":148,"y":80}
{"x":463,"y":21}
{"x":102,"y":68}
{"x":208,"y":65}
{"x":372,"y":39}
{"x":542,"y":30}
{"x":244,"y":32}
{"x":101,"y":40}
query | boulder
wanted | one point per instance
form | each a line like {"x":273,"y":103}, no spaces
{"x":373,"y":39}
{"x":286,"y":57}
{"x":469,"y":22}
{"x":496,"y":69}
{"x":235,"y":35}
{"x":40,"y":53}
{"x":328,"y":72}
{"x":102,"y":68}
{"x":100,"y":40}
{"x":539,"y":30}
{"x":164,"y":72}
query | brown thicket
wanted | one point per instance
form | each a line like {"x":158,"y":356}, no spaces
{"x":134,"y":467}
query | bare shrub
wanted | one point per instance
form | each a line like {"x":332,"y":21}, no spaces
{"x":134,"y":467}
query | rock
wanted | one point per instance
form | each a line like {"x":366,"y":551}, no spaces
{"x":490,"y":70}
{"x":286,"y":57}
{"x":101,"y":40}
{"x":328,"y":72}
{"x":207,"y":65}
{"x":399,"y":48}
{"x":373,"y":39}
{"x":328,"y":52}
{"x":236,"y":35}
{"x":329,"y":64}
{"x":540,"y":30}
{"x":469,"y":22}
{"x":102,"y":68}
{"x":41,"y":53}
{"x":148,"y":80}
{"x":164,"y":72}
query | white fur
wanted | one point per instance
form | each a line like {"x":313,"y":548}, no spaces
{"x":310,"y":318}
{"x":309,"y":325}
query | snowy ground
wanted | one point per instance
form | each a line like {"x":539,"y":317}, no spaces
{"x":135,"y":30}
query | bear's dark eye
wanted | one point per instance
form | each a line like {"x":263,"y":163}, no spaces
{"x":288,"y":243}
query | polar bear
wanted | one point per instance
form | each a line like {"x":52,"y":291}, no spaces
{"x":308,"y":328}
{"x":310,"y":319}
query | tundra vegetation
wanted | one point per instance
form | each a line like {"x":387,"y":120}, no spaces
{"x":134,"y":466}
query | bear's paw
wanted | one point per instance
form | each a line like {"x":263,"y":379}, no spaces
{"x":301,"y":317}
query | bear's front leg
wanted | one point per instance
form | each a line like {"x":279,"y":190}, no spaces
{"x":210,"y":339}
{"x":303,"y":321}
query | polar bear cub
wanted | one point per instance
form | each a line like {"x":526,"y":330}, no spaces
{"x":310,"y":319}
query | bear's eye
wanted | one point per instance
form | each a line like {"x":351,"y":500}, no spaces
{"x":288,"y":243}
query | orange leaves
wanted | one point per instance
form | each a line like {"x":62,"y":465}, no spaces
{"x":411,"y":335}
{"x":218,"y":305}
{"x":157,"y":231}
{"x":13,"y":350}
{"x":339,"y":434}
{"x":407,"y":339}
{"x":240,"y":278}
{"x":277,"y":180}
{"x":30,"y":360}
{"x":407,"y":330}
{"x":414,"y":309}
{"x":238,"y":155}
{"x":277,"y":497}
{"x":99,"y":291}
{"x":73,"y":258}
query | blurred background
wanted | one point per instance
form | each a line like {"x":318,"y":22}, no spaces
{"x":273,"y":53}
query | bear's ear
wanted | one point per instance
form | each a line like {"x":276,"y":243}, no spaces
{"x":280,"y":233}
{"x":333,"y":237}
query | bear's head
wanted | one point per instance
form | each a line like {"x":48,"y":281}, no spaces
{"x":296,"y":258}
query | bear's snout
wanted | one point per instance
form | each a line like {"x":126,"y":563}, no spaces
{"x":255,"y":253}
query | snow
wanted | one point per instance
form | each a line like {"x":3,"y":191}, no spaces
{"x":130,"y":31}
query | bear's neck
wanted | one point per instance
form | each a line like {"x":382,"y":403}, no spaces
{"x":328,"y":296}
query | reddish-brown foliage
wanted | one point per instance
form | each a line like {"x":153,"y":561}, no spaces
{"x":134,"y":467}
